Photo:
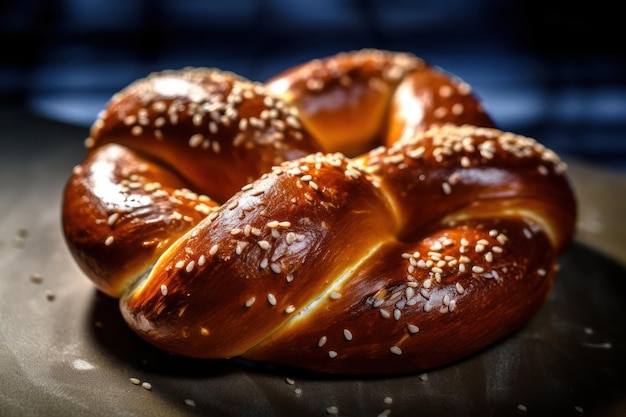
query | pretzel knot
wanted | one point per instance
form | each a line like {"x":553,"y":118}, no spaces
{"x":356,"y":214}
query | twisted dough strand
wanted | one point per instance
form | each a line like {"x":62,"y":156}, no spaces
{"x":404,"y":257}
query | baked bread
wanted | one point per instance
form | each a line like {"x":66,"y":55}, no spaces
{"x":358,"y":214}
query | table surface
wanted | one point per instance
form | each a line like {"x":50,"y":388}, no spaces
{"x":64,"y":349}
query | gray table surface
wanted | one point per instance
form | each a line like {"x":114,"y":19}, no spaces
{"x":65,"y":351}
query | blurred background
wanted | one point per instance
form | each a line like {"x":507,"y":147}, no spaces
{"x":553,"y":70}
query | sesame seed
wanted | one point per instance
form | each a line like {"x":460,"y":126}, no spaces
{"x":108,"y":241}
{"x":477,"y":269}
{"x":395,"y":350}
{"x":413,"y":328}
{"x":112,"y":218}
{"x":89,"y":142}
{"x":135,"y":381}
{"x":437,"y":246}
{"x":335,"y":295}
{"x":195,"y":140}
{"x":440,"y":112}
{"x":445,"y":91}
{"x":322,"y":341}
{"x":410,"y":291}
{"x":332,"y":409}
{"x":36,"y":278}
{"x":457,"y":109}
{"x":130,"y":120}
{"x":416,"y":153}
{"x":164,"y":289}
{"x":446,"y":300}
{"x":275,"y":267}
{"x":271,"y":299}
{"x":250,"y":301}
{"x":264,"y":244}
{"x":347,"y":334}
{"x":384,"y":313}
{"x":332,"y":354}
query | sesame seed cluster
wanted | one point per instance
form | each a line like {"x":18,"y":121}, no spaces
{"x":200,"y":121}
{"x":231,"y":220}
{"x":208,"y":100}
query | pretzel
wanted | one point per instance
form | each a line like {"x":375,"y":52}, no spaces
{"x":358,"y":214}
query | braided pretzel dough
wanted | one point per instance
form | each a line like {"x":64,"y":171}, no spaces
{"x":229,"y":221}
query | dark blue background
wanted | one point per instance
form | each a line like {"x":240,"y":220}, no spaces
{"x":552,"y":70}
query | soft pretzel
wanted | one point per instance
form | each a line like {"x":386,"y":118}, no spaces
{"x":349,"y":216}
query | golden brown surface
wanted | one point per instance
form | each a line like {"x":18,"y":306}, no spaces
{"x":400,"y":259}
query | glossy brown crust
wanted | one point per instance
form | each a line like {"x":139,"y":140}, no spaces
{"x":217,"y":130}
{"x":122,"y":211}
{"x":355,"y":101}
{"x":389,"y":327}
{"x":400,"y":259}
{"x":196,"y":129}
